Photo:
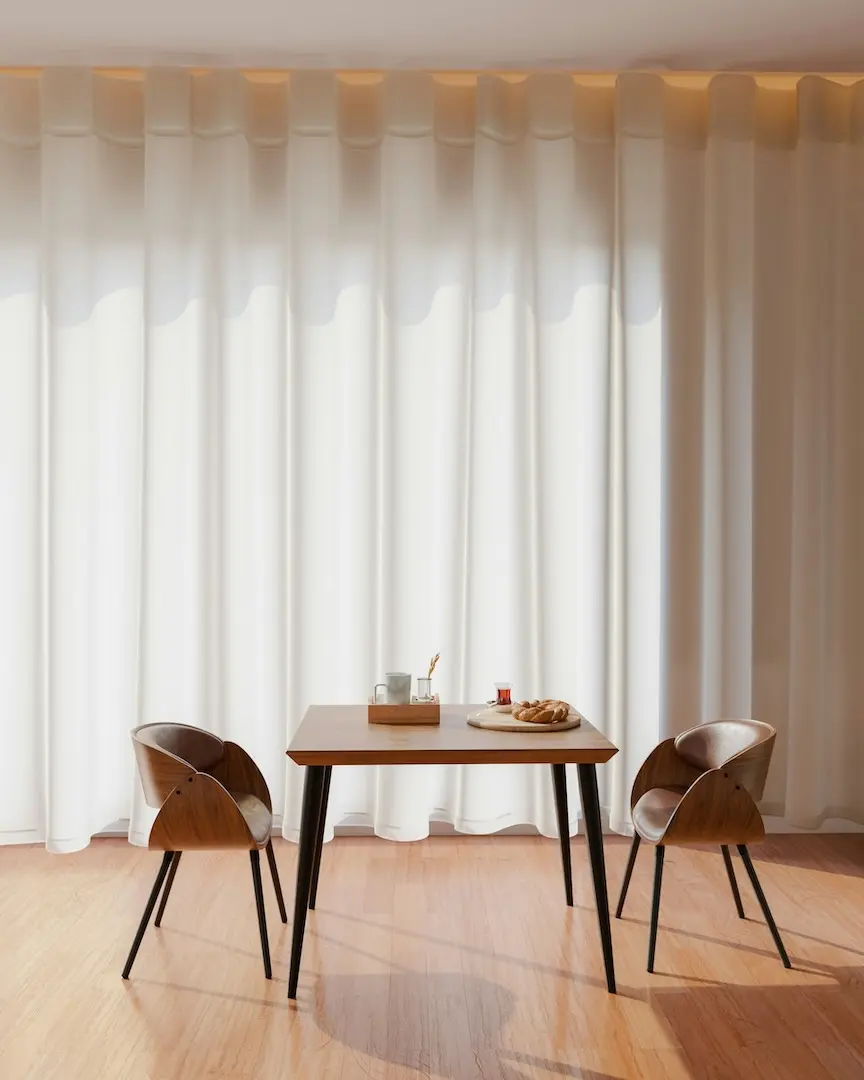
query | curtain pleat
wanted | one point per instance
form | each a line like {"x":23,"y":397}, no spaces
{"x":307,"y":378}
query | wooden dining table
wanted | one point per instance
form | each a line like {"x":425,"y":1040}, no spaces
{"x":342,"y":735}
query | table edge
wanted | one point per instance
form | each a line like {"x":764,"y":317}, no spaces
{"x":520,"y":756}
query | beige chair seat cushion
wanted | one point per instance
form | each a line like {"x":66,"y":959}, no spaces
{"x":652,"y":813}
{"x":257,"y":816}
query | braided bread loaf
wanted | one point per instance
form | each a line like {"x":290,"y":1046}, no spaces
{"x":548,"y":711}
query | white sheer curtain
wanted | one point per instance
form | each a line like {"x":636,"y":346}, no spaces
{"x":306,"y":378}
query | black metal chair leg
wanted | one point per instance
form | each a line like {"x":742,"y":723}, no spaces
{"x":659,"y":855}
{"x":148,"y":911}
{"x":594,"y":832}
{"x":730,"y":870}
{"x":559,"y":783}
{"x":255,"y":859}
{"x":277,"y":884}
{"x":628,"y":873}
{"x":306,"y":856}
{"x":763,"y":903}
{"x":319,"y":840}
{"x":175,"y":862}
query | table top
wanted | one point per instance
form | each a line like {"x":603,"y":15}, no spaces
{"x":342,"y":735}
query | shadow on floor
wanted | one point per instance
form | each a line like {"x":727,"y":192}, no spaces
{"x":459,"y":1026}
{"x":442,"y":1024}
{"x":780,"y":1032}
{"x":833,"y":853}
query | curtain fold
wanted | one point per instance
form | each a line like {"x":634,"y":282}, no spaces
{"x":305,"y":378}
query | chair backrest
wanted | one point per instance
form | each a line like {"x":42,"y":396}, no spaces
{"x":741,"y":747}
{"x":167,"y":754}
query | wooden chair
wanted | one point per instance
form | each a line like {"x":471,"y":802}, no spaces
{"x":702,"y":788}
{"x":211,"y":796}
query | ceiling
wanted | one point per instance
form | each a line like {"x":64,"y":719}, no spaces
{"x":605,"y":35}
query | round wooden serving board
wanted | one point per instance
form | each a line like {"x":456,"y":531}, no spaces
{"x":498,"y":721}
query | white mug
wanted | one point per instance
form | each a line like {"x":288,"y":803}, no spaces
{"x":397,"y":688}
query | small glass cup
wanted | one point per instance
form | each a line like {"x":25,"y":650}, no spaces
{"x":503,"y":691}
{"x":424,"y":689}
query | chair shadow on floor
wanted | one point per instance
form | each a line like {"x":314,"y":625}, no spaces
{"x":801,"y":965}
{"x":788,"y":1031}
{"x":833,"y":853}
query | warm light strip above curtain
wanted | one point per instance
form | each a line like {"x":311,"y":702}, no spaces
{"x":689,"y":79}
{"x":361,"y":109}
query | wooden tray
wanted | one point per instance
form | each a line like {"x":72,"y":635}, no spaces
{"x":496,"y":721}
{"x":418,"y":712}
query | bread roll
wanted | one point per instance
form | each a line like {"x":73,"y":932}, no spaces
{"x":547,"y":711}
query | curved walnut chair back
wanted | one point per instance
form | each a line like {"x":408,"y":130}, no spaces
{"x":169,"y":754}
{"x":743,"y":748}
{"x":210,"y":793}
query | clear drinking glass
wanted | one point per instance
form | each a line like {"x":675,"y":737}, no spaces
{"x":424,"y":689}
{"x":503,"y":691}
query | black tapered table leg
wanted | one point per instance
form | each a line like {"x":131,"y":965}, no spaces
{"x":277,"y":884}
{"x":255,"y":859}
{"x":730,"y":870}
{"x":559,"y":782}
{"x":175,"y":862}
{"x":763,"y":903}
{"x":319,"y":839}
{"x":148,"y":911}
{"x":659,"y":855}
{"x":594,"y":832}
{"x":312,"y":787}
{"x":628,"y":873}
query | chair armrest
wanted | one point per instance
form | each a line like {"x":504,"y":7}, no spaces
{"x":663,"y":768}
{"x":238,"y":772}
{"x":200,"y":815}
{"x":715,"y":810}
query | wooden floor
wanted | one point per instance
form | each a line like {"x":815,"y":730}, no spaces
{"x":449,"y":958}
